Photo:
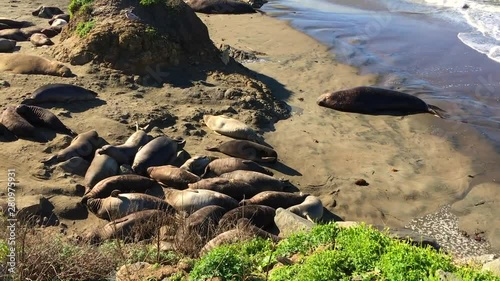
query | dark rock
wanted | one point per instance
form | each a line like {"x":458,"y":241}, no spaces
{"x":289,"y":223}
{"x":361,"y":182}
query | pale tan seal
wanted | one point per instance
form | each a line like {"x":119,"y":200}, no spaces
{"x":101,"y":167}
{"x":125,"y":153}
{"x":259,"y":181}
{"x":28,"y":64}
{"x":40,"y":39}
{"x":247,"y":150}
{"x":234,"y":188}
{"x":191,"y":200}
{"x":171,"y":176}
{"x":229,"y":127}
{"x":83,"y":145}
{"x":197,"y":164}
{"x":230,"y":164}
{"x":311,"y":208}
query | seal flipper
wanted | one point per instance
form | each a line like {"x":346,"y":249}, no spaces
{"x":28,"y":101}
{"x":434,"y":110}
{"x":215,"y":148}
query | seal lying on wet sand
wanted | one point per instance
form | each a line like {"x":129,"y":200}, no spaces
{"x":371,"y":100}
{"x":28,"y":64}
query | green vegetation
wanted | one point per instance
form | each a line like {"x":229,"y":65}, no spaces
{"x":76,"y":5}
{"x":83,"y":28}
{"x":150,"y":2}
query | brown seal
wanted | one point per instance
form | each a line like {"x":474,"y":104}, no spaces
{"x":131,"y":228}
{"x":101,"y":167}
{"x":13,"y":34}
{"x":247,"y":150}
{"x":125,"y":153}
{"x":191,"y":200}
{"x":40,"y":39}
{"x":119,"y":205}
{"x":16,"y":124}
{"x":220,"y":6}
{"x":226,"y":165}
{"x":28,"y":64}
{"x":371,"y":100}
{"x":276,"y":199}
{"x":259,"y":181}
{"x":171,"y":176}
{"x":123,"y":183}
{"x":259,"y":215}
{"x":83,"y":145}
{"x":160,"y":151}
{"x":40,"y":116}
{"x":197,"y":164}
{"x":234,"y":188}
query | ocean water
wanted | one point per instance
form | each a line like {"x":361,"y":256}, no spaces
{"x":446,"y":55}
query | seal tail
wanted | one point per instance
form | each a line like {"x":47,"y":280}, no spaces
{"x":215,"y":148}
{"x":436,"y":111}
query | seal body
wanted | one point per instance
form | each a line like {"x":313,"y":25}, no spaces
{"x":125,"y":153}
{"x":172,"y":176}
{"x":220,"y":6}
{"x":16,"y":124}
{"x":234,"y":188}
{"x":160,"y":151}
{"x":197,"y":164}
{"x":123,"y":183}
{"x":226,"y":165}
{"x":258,"y":215}
{"x":371,"y":100}
{"x":63,"y":93}
{"x":247,"y":150}
{"x":276,"y":199}
{"x":101,"y":167}
{"x":259,"y":181}
{"x":131,"y":228}
{"x":191,"y":200}
{"x":43,"y":117}
{"x":311,"y":208}
{"x":13,"y":34}
{"x":7,"y":45}
{"x":112,"y":208}
{"x":83,"y":145}
{"x":40,"y":39}
{"x":229,"y":127}
{"x":28,"y":64}
{"x":46,"y":12}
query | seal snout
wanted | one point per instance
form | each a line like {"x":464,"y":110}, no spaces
{"x":321,"y":101}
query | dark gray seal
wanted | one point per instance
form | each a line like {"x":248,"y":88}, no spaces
{"x":247,"y":150}
{"x":125,"y":153}
{"x":46,"y":12}
{"x":220,"y":6}
{"x":119,"y":205}
{"x":123,"y":183}
{"x":43,"y":117}
{"x":158,"y":152}
{"x":276,"y":199}
{"x":236,"y":189}
{"x":226,"y":165}
{"x":375,"y":101}
{"x":60,"y":93}
{"x":259,"y":215}
{"x":7,"y":45}
{"x":171,"y":176}
{"x":131,"y":228}
{"x":83,"y":145}
{"x":14,"y":23}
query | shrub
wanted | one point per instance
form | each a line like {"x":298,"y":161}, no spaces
{"x":83,"y":28}
{"x":304,"y":242}
{"x":75,"y":5}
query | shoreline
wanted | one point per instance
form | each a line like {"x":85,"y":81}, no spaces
{"x":321,"y":151}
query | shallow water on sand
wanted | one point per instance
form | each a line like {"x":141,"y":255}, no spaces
{"x":416,"y":51}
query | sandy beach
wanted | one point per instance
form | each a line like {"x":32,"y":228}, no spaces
{"x":415,"y":165}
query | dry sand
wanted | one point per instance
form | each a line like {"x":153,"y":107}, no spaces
{"x":414,"y":165}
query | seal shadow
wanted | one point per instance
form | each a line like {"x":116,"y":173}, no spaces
{"x":75,"y":107}
{"x":329,"y":217}
{"x":282,"y":168}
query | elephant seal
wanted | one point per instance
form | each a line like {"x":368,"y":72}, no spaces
{"x":7,"y":45}
{"x":371,"y":100}
{"x":259,"y":181}
{"x":124,"y":183}
{"x":46,"y":12}
{"x":13,"y":34}
{"x":191,"y":200}
{"x":65,"y":17}
{"x":160,"y":151}
{"x":58,"y":23}
{"x":226,"y":165}
{"x":131,"y":228}
{"x":311,"y":208}
{"x":220,"y":6}
{"x":83,"y":145}
{"x":50,"y":32}
{"x":229,"y":127}
{"x":236,"y":189}
{"x":14,"y":23}
{"x":101,"y":167}
{"x":40,"y":39}
{"x":198,"y":228}
{"x":43,"y":117}
{"x":259,"y":215}
{"x":17,"y":125}
{"x":28,"y":64}
{"x":171,"y":176}
{"x":125,"y":153}
{"x":276,"y":199}
{"x":197,"y":164}
{"x":64,"y":93}
{"x":246,"y":150}
{"x":119,"y":205}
